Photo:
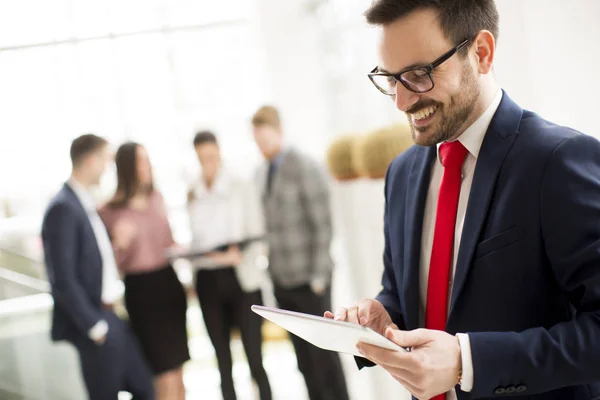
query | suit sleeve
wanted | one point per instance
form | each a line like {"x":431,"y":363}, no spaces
{"x":389,"y":292}
{"x":315,"y":195}
{"x":388,"y":296}
{"x":60,"y":239}
{"x":566,"y":354}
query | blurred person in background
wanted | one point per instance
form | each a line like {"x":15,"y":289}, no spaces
{"x":297,"y":211}
{"x":225,"y":210}
{"x":85,"y":282}
{"x":136,"y":219}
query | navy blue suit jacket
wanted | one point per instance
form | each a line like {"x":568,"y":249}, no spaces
{"x":74,"y":266}
{"x":527,"y":284}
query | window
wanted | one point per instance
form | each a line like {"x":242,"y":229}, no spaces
{"x":150,"y":71}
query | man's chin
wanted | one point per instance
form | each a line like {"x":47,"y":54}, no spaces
{"x":423,"y":137}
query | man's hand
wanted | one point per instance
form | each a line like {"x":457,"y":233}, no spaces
{"x":318,"y":287}
{"x":367,"y":312}
{"x":100,"y":341}
{"x":432,"y":367}
{"x":235,"y":255}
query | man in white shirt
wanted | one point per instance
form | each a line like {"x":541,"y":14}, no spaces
{"x":85,"y":282}
{"x":492,"y":241}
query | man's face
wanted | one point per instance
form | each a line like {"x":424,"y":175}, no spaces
{"x":209,"y":156}
{"x":268,"y":139}
{"x":97,"y":163}
{"x":442,"y":113}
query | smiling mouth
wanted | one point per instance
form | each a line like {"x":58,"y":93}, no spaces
{"x":423,"y":116}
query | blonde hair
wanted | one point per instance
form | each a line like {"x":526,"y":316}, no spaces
{"x":266,"y":115}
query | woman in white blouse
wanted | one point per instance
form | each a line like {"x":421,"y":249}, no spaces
{"x":225,"y":210}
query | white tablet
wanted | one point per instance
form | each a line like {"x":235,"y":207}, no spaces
{"x":326,"y":333}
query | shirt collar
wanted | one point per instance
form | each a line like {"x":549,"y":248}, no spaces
{"x":219,"y":185}
{"x":83,"y":195}
{"x":279,"y":158}
{"x":472,"y":138}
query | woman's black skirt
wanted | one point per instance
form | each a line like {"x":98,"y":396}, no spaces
{"x":156,"y":303}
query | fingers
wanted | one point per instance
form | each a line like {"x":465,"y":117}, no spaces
{"x":404,"y":382}
{"x":361,"y":313}
{"x":390,"y":326}
{"x":400,"y":360}
{"x":341,"y":314}
{"x":415,"y":338}
{"x":353,"y":317}
{"x":401,"y":366}
{"x":365,"y":311}
{"x":329,"y":315}
{"x":346,"y":314}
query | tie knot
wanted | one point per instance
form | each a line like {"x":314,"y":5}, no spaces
{"x":453,"y":154}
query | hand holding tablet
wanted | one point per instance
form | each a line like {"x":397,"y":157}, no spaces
{"x":326,"y":333}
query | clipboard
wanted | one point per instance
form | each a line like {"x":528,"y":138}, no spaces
{"x":194,"y":254}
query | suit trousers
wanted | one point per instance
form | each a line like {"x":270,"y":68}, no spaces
{"x":225,"y":305}
{"x":116,"y":365}
{"x":322,"y":369}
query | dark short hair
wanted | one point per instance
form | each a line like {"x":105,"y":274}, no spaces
{"x":204,"y":137}
{"x":85,"y":145}
{"x":459,"y":19}
{"x":127,"y":175}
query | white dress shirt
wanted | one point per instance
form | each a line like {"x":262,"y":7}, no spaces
{"x":472,"y":138}
{"x":112,"y":286}
{"x":230,"y":211}
{"x":210,"y":211}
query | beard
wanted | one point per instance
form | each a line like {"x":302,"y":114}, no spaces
{"x":451,"y":117}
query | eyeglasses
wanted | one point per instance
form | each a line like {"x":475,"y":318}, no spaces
{"x":415,"y":79}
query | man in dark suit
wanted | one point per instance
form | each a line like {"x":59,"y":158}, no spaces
{"x":492,"y":233}
{"x":85,"y":282}
{"x":298,"y":220}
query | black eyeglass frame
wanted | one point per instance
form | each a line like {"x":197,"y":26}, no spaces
{"x":428,"y":69}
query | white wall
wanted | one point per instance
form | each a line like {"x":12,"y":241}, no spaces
{"x":548,"y":59}
{"x":287,"y":34}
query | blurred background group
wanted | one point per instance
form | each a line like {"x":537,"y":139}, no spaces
{"x":177,"y":89}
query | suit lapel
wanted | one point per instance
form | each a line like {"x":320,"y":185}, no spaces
{"x":72,"y":196}
{"x":416,"y":196}
{"x":498,"y":140}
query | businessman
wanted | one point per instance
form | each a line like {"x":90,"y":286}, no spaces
{"x":85,"y":283}
{"x":298,"y":220}
{"x":492,"y":233}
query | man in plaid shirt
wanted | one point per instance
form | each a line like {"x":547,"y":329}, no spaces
{"x":298,"y":220}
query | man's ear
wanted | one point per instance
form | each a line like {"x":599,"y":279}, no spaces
{"x":485,"y":51}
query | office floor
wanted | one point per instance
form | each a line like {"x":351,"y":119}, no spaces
{"x":201,"y":375}
{"x":280,"y":363}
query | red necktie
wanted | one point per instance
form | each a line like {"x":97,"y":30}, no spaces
{"x":452,"y":155}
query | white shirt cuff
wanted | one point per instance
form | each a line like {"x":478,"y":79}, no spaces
{"x":467,"y":362}
{"x":98,"y":331}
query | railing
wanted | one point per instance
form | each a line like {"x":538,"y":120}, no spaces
{"x":32,"y":367}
